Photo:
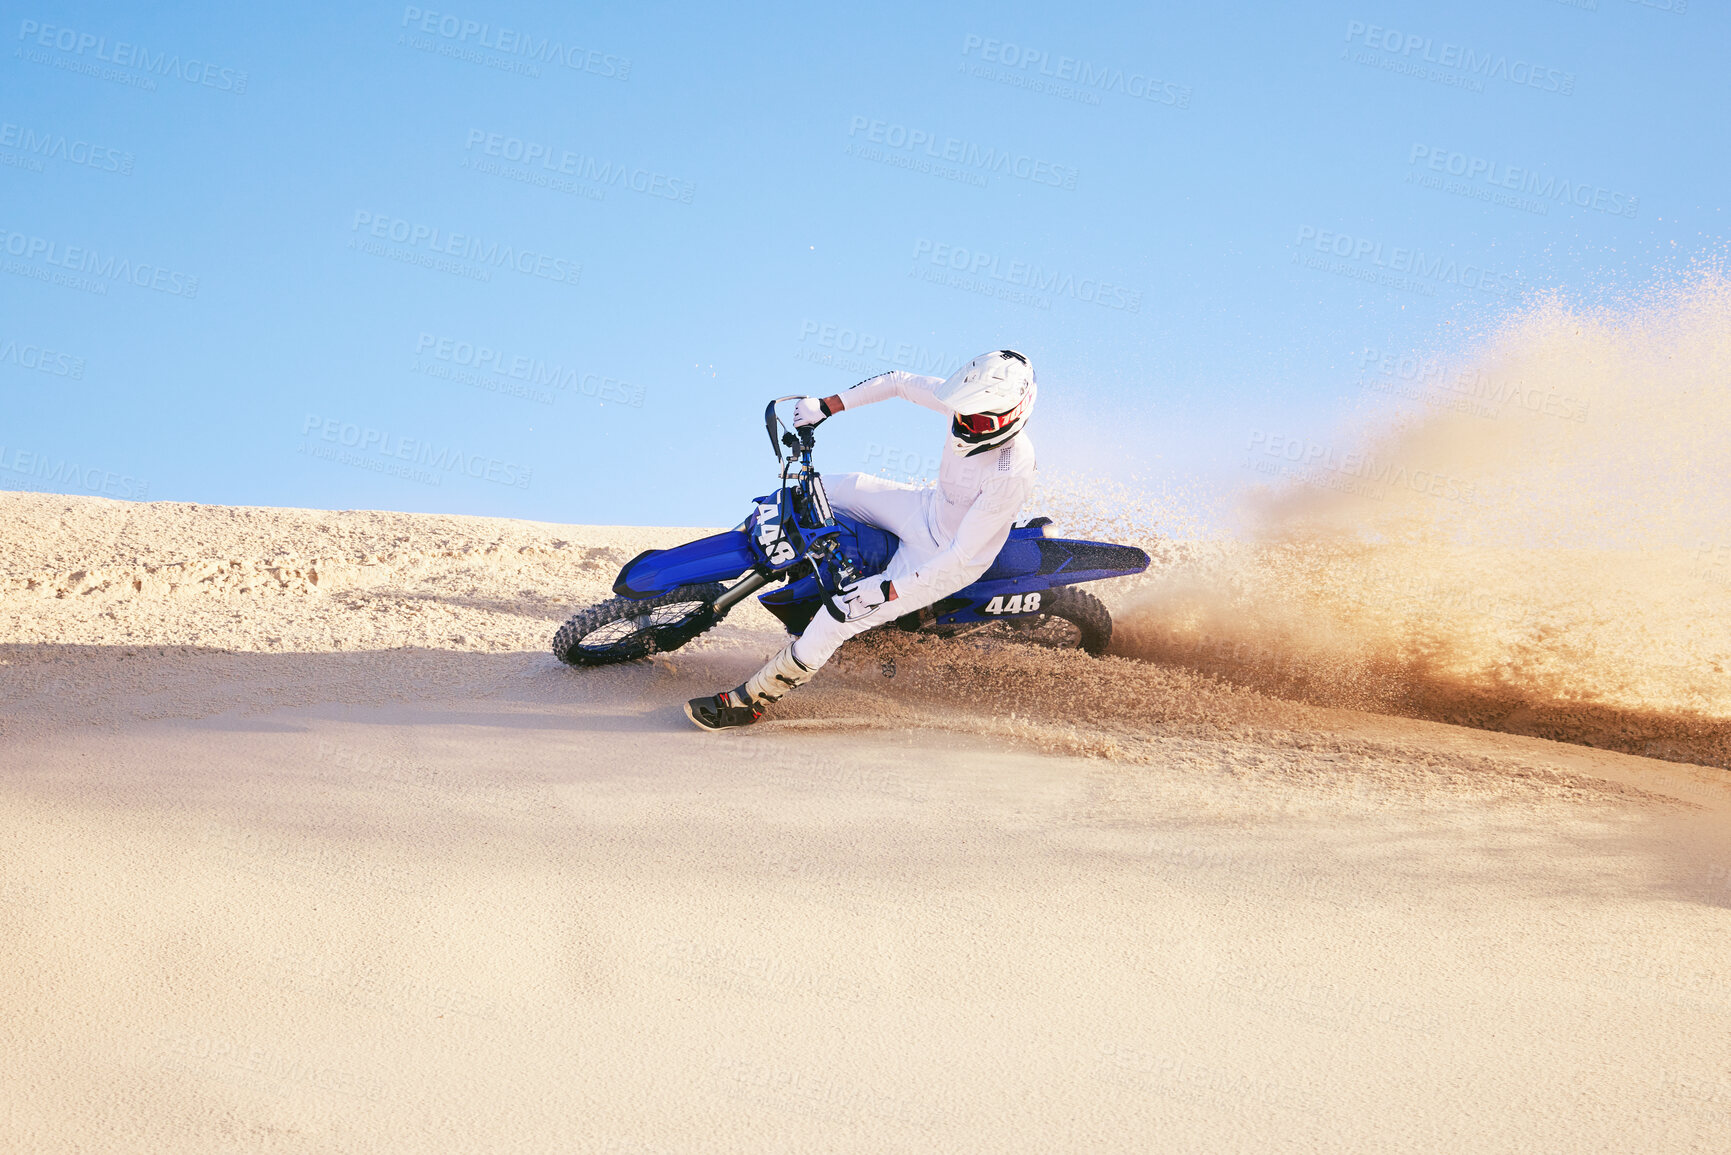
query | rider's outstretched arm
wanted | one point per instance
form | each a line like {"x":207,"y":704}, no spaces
{"x":896,"y":383}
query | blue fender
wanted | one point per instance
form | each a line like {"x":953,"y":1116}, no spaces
{"x":1037,"y":562}
{"x":1034,"y":564}
{"x":720,"y":557}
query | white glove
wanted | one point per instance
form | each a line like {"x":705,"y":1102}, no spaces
{"x":808,"y":411}
{"x":851,"y":603}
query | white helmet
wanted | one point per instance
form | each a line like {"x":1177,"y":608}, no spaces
{"x":991,"y":397}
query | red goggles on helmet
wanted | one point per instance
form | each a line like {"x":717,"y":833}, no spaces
{"x":975,"y":425}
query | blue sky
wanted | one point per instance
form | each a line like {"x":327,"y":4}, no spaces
{"x":509,"y":259}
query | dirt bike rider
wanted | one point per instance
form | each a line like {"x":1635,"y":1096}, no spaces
{"x":950,"y":532}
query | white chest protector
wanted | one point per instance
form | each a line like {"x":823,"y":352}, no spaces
{"x":977,"y":497}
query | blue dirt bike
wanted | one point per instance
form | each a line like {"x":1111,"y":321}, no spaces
{"x":669,"y":596}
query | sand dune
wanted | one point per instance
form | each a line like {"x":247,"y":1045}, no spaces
{"x":310,"y":846}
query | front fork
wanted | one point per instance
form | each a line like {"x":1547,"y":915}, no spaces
{"x":826,"y":549}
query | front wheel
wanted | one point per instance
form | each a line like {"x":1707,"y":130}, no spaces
{"x":621,"y":629}
{"x":1069,"y":619}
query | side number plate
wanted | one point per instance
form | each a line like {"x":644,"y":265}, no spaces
{"x":770,"y":536}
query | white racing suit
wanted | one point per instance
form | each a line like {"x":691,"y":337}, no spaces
{"x":950,"y":532}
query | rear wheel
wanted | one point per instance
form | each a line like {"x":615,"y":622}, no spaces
{"x":621,"y":629}
{"x":1069,"y":619}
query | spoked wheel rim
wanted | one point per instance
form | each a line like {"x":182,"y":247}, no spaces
{"x":638,"y":633}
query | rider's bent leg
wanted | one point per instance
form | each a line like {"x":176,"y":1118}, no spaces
{"x":895,"y":506}
{"x":797,"y":662}
{"x":899,"y":508}
{"x":743,"y":705}
{"x":825,"y":635}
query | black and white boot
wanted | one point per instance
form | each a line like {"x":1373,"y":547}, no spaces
{"x":726,"y":709}
{"x":780,"y":674}
{"x":744,"y":705}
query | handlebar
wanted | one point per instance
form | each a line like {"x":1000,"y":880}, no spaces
{"x":798,"y":441}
